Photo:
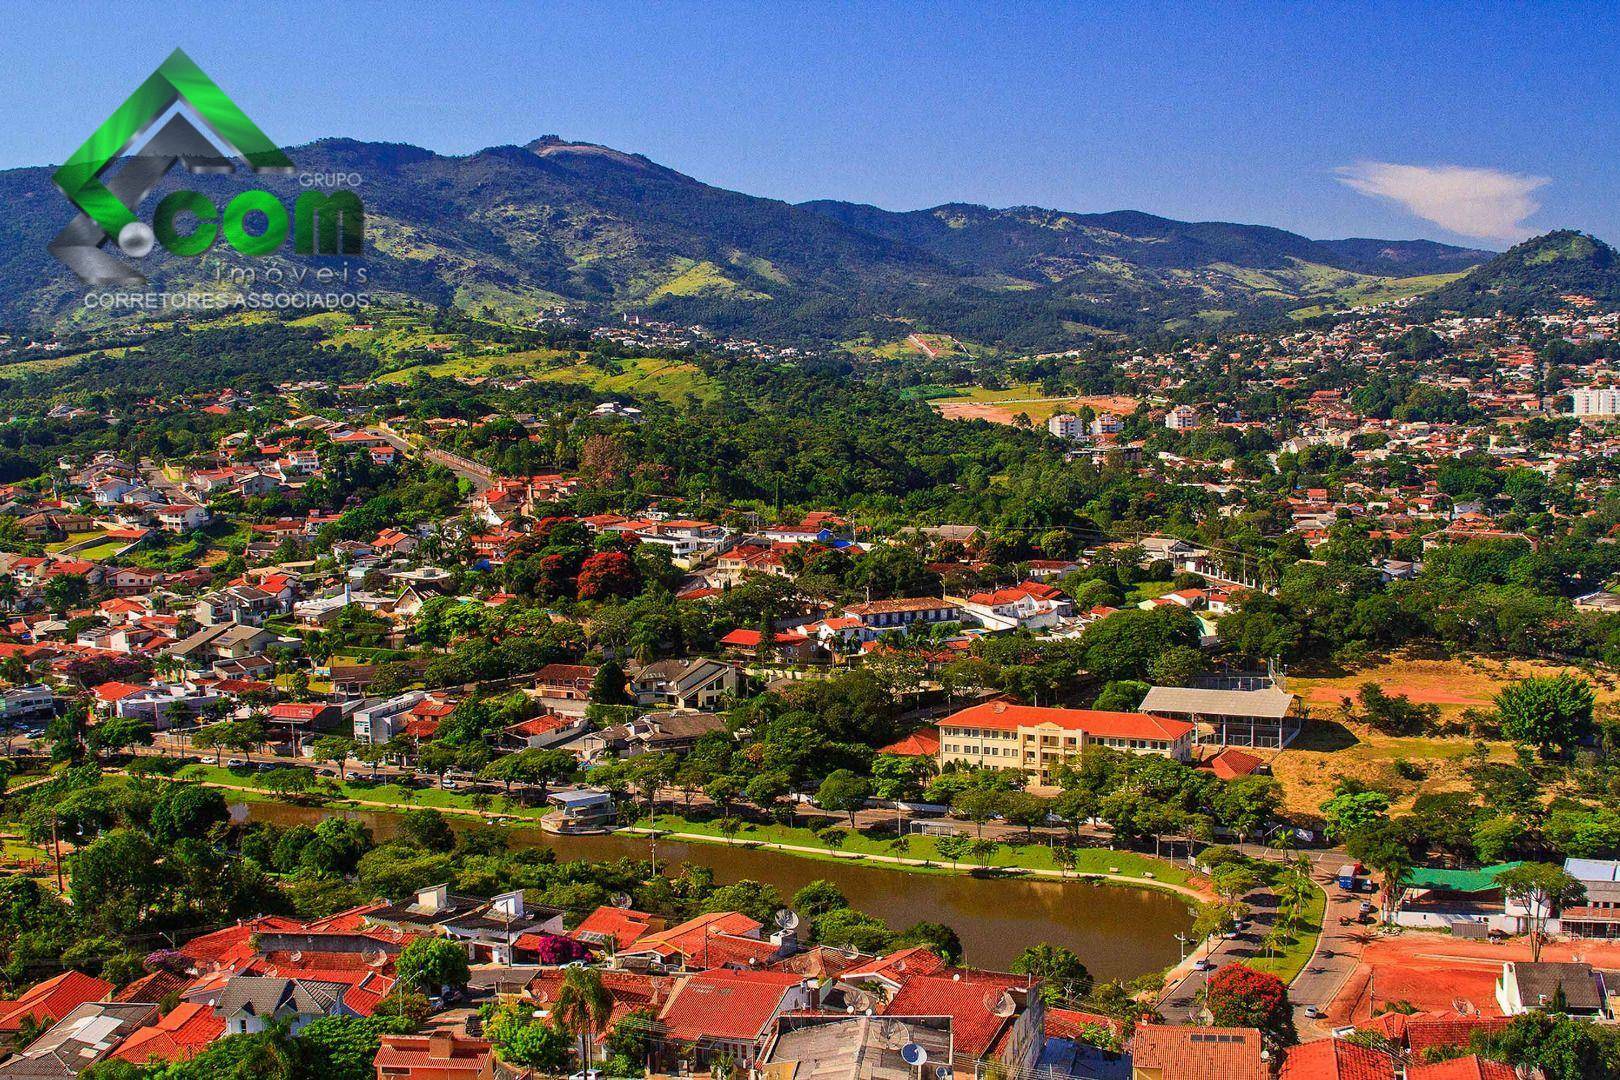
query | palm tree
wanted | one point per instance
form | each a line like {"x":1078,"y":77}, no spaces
{"x":583,"y":1007}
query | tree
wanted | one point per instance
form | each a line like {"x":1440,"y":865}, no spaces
{"x":978,"y":805}
{"x":1239,"y":996}
{"x":117,"y":733}
{"x":1352,"y":808}
{"x":1551,"y":713}
{"x":953,"y":847}
{"x":843,"y":792}
{"x":519,"y":1039}
{"x":1212,"y":920}
{"x":428,"y":829}
{"x":1023,"y":808}
{"x":608,"y":685}
{"x":430,"y":965}
{"x":608,"y":573}
{"x":1066,"y":978}
{"x":64,"y":592}
{"x":186,"y":810}
{"x":1541,"y":888}
{"x":1562,"y":1047}
{"x":818,"y":898}
{"x":583,"y":1006}
{"x":1383,"y":847}
{"x":936,"y":937}
{"x":336,"y":749}
{"x":119,"y":880}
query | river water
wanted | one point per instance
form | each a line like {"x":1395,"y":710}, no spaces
{"x":1119,"y":931}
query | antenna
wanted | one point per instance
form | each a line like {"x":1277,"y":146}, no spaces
{"x":1000,"y":1003}
{"x":787,"y":919}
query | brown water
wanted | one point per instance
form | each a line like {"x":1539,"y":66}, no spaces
{"x":1119,"y":931}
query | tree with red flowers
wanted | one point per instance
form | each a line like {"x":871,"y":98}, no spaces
{"x":1239,"y":996}
{"x":608,"y":573}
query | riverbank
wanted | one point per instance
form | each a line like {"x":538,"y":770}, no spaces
{"x":920,"y":853}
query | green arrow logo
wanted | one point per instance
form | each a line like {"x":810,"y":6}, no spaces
{"x":80,"y":179}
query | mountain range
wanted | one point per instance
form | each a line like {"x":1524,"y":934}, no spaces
{"x":566,"y":224}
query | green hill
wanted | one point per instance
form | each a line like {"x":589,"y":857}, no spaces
{"x":1535,"y":276}
{"x":512,"y":229}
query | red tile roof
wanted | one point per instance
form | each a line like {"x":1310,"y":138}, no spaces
{"x":53,"y":999}
{"x":969,"y":998}
{"x":434,"y":1055}
{"x":1199,"y":1053}
{"x":921,"y":743}
{"x":179,"y":1036}
{"x":1423,"y":1035}
{"x":1336,"y":1059}
{"x":1097,"y":723}
{"x":1463,"y":1068}
{"x":692,"y":937}
{"x":1232,"y":763}
{"x":725,"y":1004}
{"x":621,"y":926}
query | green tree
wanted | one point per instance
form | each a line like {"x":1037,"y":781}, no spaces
{"x":432,"y":965}
{"x":1542,"y":889}
{"x":843,"y":792}
{"x":583,"y":1006}
{"x":1065,"y":976}
{"x":1551,"y":713}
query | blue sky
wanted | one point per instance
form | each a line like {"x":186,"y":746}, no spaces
{"x":1466,"y":123}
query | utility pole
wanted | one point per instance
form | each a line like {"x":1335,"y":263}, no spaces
{"x":56,"y":849}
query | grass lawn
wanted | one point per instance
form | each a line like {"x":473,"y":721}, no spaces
{"x":1148,"y":590}
{"x":1033,"y":856}
{"x":252,"y":782}
{"x":1287,"y":964}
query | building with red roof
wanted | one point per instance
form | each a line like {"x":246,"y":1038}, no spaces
{"x":992,"y":1013}
{"x":441,"y":1055}
{"x":1337,"y":1059}
{"x":1471,"y":1067}
{"x":616,"y":928}
{"x":51,"y":1000}
{"x":1232,"y":763}
{"x":178,"y":1036}
{"x":1040,"y":741}
{"x":708,"y":940}
{"x":728,"y":1014}
{"x":1164,"y":1052}
{"x":921,"y":743}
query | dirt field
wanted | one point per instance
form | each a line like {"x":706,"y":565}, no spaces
{"x":1039,"y":410}
{"x":1454,"y":685}
{"x":1330,"y":749}
{"x":1439,"y":973}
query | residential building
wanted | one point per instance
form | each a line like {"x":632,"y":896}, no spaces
{"x":1040,"y":741}
{"x":86,"y":1035}
{"x":683,"y":684}
{"x":879,"y":616}
{"x":438,"y":1055}
{"x":1268,"y":717}
{"x":1163,"y":1052}
{"x":1574,"y":989}
{"x":1598,"y":913}
{"x":1067,"y":426}
{"x":251,"y":1003}
{"x":1595,"y":401}
{"x":729,"y":1015}
{"x":47,"y":1002}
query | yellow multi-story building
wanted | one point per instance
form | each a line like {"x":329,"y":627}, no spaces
{"x":1038,"y":742}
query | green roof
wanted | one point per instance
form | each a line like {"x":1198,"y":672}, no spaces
{"x":1462,"y":881}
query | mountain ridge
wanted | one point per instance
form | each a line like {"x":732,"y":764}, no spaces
{"x":555,"y":223}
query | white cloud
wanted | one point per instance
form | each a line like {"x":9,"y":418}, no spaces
{"x":1486,"y":203}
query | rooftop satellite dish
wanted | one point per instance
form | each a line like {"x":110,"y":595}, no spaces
{"x":942,"y":1072}
{"x":1000,"y":1003}
{"x":787,"y":919}
{"x":850,"y":952}
{"x":914,"y":1055}
{"x":374,"y":957}
{"x":859,"y":1001}
{"x":622,"y":900}
{"x":296,"y":955}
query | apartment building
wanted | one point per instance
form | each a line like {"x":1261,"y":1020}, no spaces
{"x":1040,"y":741}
